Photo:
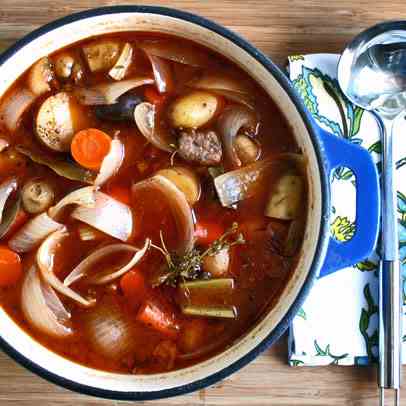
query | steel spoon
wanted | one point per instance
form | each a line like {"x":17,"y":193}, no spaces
{"x":372,"y":74}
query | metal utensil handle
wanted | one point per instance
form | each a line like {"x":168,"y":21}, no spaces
{"x":390,"y":292}
{"x":390,"y":325}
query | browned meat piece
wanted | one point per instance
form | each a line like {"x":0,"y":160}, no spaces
{"x":203,"y":147}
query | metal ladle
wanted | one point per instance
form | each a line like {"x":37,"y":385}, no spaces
{"x":372,"y":74}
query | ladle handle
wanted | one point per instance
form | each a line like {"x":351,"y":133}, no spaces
{"x":390,"y":291}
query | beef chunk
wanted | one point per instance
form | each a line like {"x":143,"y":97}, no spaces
{"x":203,"y":147}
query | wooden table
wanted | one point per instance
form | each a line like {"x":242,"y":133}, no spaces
{"x":278,"y":28}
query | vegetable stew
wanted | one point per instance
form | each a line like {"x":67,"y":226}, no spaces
{"x":152,"y":203}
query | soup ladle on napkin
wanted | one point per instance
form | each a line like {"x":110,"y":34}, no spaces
{"x":372,"y":74}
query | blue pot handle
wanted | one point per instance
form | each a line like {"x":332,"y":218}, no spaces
{"x":340,"y":152}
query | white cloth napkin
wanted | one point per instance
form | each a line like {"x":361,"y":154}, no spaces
{"x":338,"y":321}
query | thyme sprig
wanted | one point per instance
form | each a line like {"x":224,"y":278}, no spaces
{"x":189,"y":265}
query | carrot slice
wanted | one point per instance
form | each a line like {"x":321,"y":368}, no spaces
{"x":133,"y":286}
{"x":10,"y":267}
{"x":89,"y":147}
{"x":159,"y":318}
{"x":152,"y":95}
{"x":206,"y":233}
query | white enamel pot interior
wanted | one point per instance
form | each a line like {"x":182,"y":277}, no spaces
{"x":154,"y":19}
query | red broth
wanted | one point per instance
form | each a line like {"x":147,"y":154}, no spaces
{"x":242,"y":254}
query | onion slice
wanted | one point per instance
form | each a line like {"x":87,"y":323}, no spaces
{"x":243,"y":183}
{"x":255,"y":178}
{"x":224,"y":85}
{"x":3,"y":144}
{"x":176,"y":52}
{"x":218,"y":81}
{"x":111,"y":162}
{"x":108,"y":93}
{"x":32,"y":233}
{"x":240,"y":98}
{"x":84,"y":196}
{"x":162,"y":73}
{"x":108,"y":215}
{"x":146,"y":118}
{"x":179,"y":206}
{"x":84,"y":267}
{"x":45,"y":263}
{"x":110,"y":330}
{"x":6,"y":188}
{"x":42,"y":308}
{"x":9,"y":216}
{"x":229,"y":124}
{"x":14,"y":106}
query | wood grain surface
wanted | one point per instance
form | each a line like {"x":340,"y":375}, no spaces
{"x":278,"y":28}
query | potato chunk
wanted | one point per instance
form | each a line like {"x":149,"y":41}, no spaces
{"x":285,"y":198}
{"x":193,"y":110}
{"x":101,"y":55}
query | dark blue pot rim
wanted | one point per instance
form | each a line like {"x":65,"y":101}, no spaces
{"x":325,"y":207}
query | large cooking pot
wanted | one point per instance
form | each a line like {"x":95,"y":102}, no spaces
{"x":319,"y":252}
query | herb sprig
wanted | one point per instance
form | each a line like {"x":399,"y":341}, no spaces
{"x":188,"y":266}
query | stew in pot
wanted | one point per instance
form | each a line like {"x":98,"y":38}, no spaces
{"x":152,"y":202}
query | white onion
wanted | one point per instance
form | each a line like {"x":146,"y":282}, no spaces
{"x":6,"y":188}
{"x":14,"y":106}
{"x":111,"y":162}
{"x":179,"y":207}
{"x":42,"y":308}
{"x":110,"y":330}
{"x":236,"y":97}
{"x":108,"y":93}
{"x":32,"y":233}
{"x":108,"y":215}
{"x":145,"y":116}
{"x":229,"y":124}
{"x":120,"y":68}
{"x":175,"y":51}
{"x":242,"y":183}
{"x":85,"y":266}
{"x":45,"y":263}
{"x":218,"y":81}
{"x":84,"y":196}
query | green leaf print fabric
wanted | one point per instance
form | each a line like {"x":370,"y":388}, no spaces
{"x":338,"y":321}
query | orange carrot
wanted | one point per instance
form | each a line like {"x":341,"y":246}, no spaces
{"x":89,"y":147}
{"x":152,"y":95}
{"x":133,"y":286}
{"x":120,"y":193}
{"x":158,"y":317}
{"x":19,"y":221}
{"x":10,"y":267}
{"x":207,"y":232}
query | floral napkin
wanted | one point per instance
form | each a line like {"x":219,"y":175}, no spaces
{"x":338,"y":322}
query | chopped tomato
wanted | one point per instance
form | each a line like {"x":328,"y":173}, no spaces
{"x":208,"y":232}
{"x":160,"y":317}
{"x":10,"y":267}
{"x":120,"y":193}
{"x":133,"y":286}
